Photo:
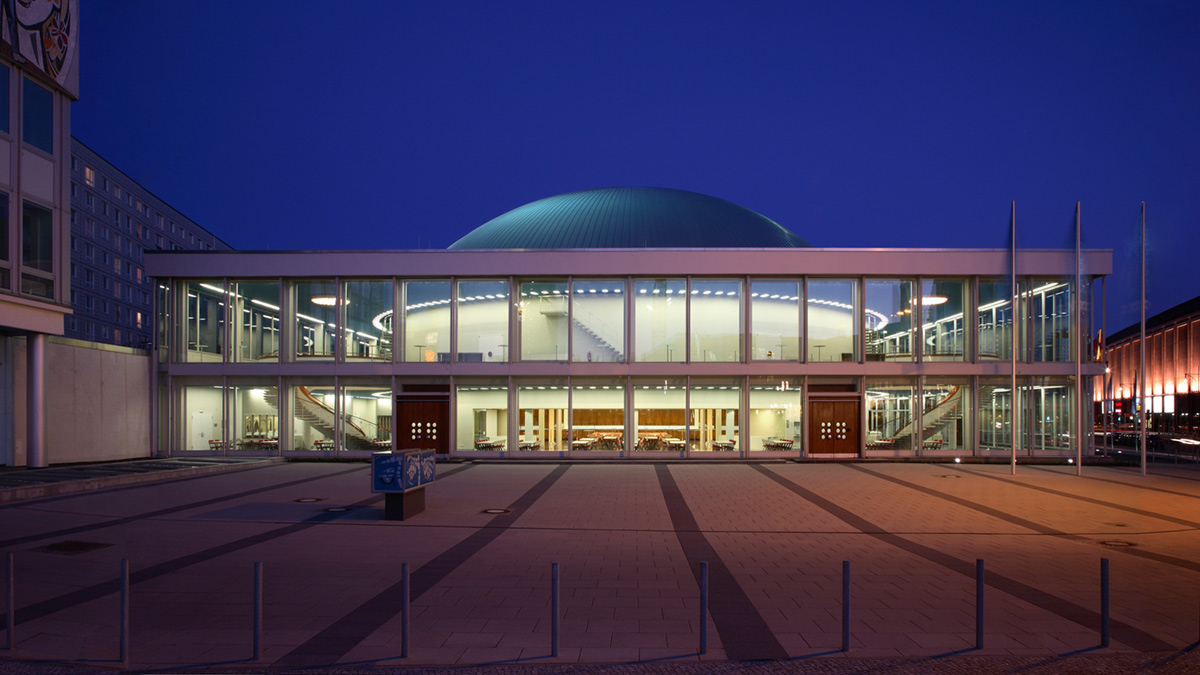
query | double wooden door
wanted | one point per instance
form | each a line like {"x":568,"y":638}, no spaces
{"x":834,"y":427}
{"x":422,"y":422}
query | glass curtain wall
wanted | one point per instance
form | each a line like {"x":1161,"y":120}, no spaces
{"x":1051,"y":319}
{"x":660,"y":319}
{"x":426,"y":321}
{"x":776,"y":411}
{"x":889,"y":413}
{"x":716,"y":320}
{"x":254,"y":409}
{"x":598,"y":320}
{"x":1051,"y":413}
{"x":945,"y":405}
{"x":832,"y":320}
{"x":313,"y":421}
{"x":166,"y":313}
{"x":775,"y":319}
{"x":368,"y":330}
{"x":659,"y":414}
{"x":598,"y":414}
{"x":994,"y":319}
{"x":889,"y":311}
{"x":367,"y":414}
{"x":482,"y":321}
{"x":715,"y":412}
{"x":256,"y":316}
{"x":995,"y":416}
{"x":204,"y":331}
{"x":542,"y":416}
{"x":314,"y":330}
{"x":942,"y":304}
{"x":203,"y":413}
{"x":481,"y":415}
{"x":542,"y":315}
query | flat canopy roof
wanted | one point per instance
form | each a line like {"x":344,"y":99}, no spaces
{"x":627,"y":262}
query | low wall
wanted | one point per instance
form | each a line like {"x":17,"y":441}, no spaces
{"x":97,"y":402}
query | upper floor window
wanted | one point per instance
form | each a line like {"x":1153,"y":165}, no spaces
{"x":89,"y":176}
{"x":37,"y":251}
{"x":37,"y":116}
{"x":4,"y":100}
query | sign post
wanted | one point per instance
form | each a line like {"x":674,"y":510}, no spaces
{"x":402,"y":477}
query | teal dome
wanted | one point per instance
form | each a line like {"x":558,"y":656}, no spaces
{"x":630,"y":217}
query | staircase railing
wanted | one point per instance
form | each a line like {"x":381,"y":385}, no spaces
{"x":950,"y":403}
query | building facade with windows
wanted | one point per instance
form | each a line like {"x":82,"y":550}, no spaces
{"x":114,"y":221}
{"x":39,"y":77}
{"x":1172,"y":385}
{"x":626,"y":322}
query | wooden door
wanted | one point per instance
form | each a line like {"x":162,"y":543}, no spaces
{"x":422,"y":422}
{"x":833,"y":427}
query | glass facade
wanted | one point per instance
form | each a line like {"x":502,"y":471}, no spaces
{"x":684,"y":391}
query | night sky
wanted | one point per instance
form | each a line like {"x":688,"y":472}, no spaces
{"x":400,"y":125}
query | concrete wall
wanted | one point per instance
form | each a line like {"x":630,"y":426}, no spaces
{"x":97,"y":402}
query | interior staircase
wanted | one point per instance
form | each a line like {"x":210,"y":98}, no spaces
{"x":321,"y":417}
{"x":602,"y":350}
{"x":947,"y":412}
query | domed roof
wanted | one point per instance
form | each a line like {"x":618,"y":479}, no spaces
{"x":630,"y":217}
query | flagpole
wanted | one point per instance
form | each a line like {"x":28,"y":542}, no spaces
{"x":1012,"y":416}
{"x":1079,"y":344}
{"x":1141,"y":409}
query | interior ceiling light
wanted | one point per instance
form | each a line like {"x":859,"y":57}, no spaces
{"x":931,"y":300}
{"x":327,"y":301}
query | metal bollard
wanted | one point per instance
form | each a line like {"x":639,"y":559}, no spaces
{"x":404,"y":617}
{"x":703,"y":608}
{"x":10,"y":642}
{"x":1104,"y":602}
{"x":845,"y":605}
{"x":979,"y":603}
{"x":125,"y":611}
{"x":554,"y":609}
{"x":258,"y":610}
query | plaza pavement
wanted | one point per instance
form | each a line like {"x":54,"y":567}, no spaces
{"x":629,"y":539}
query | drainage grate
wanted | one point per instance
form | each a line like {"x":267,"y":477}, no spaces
{"x":946,"y":475}
{"x":1117,"y":524}
{"x":337,"y":509}
{"x":308,"y":500}
{"x":1117,"y":543}
{"x":70,"y":547}
{"x":495,"y":512}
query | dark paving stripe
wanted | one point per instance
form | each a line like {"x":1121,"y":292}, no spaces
{"x":744,"y":633}
{"x":335,"y":641}
{"x":1130,"y":635}
{"x":1031,"y":525}
{"x":66,"y":601}
{"x":1090,"y":500}
{"x":1124,"y":483}
{"x":17,"y":541}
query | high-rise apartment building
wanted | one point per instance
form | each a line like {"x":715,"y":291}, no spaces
{"x":114,"y":220}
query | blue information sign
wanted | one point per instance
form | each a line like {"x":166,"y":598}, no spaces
{"x":402,"y":471}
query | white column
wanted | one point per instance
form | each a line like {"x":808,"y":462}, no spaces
{"x":35,"y":386}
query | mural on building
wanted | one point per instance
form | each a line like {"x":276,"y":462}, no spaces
{"x":46,"y":33}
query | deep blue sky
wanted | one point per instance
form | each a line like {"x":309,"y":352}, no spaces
{"x":380,"y":124}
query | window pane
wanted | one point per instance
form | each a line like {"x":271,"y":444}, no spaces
{"x":889,"y":414}
{"x":37,"y":116}
{"x":205,"y":328}
{"x":256,"y":308}
{"x":659,"y":416}
{"x":542,"y":416}
{"x":4,"y":102}
{"x":482,"y":416}
{"x":368,"y":333}
{"x":313,"y":418}
{"x":889,"y":319}
{"x":542,"y":314}
{"x":203,"y":417}
{"x":776,"y":405}
{"x":598,"y":320}
{"x":660,"y":319}
{"x":832,"y":320}
{"x":995,"y":414}
{"x":943,"y":408}
{"x":367,"y":414}
{"x":427,"y":321}
{"x":482,"y":321}
{"x":37,"y":238}
{"x":714,"y":418}
{"x":995,"y":319}
{"x":775,"y":308}
{"x":1050,"y":310}
{"x":598,"y":415}
{"x":255,"y":423}
{"x":316,"y":319}
{"x":942,"y":303}
{"x":716,"y":320}
{"x":1053,"y":413}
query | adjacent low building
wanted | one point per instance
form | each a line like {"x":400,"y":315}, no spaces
{"x":626,"y":322}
